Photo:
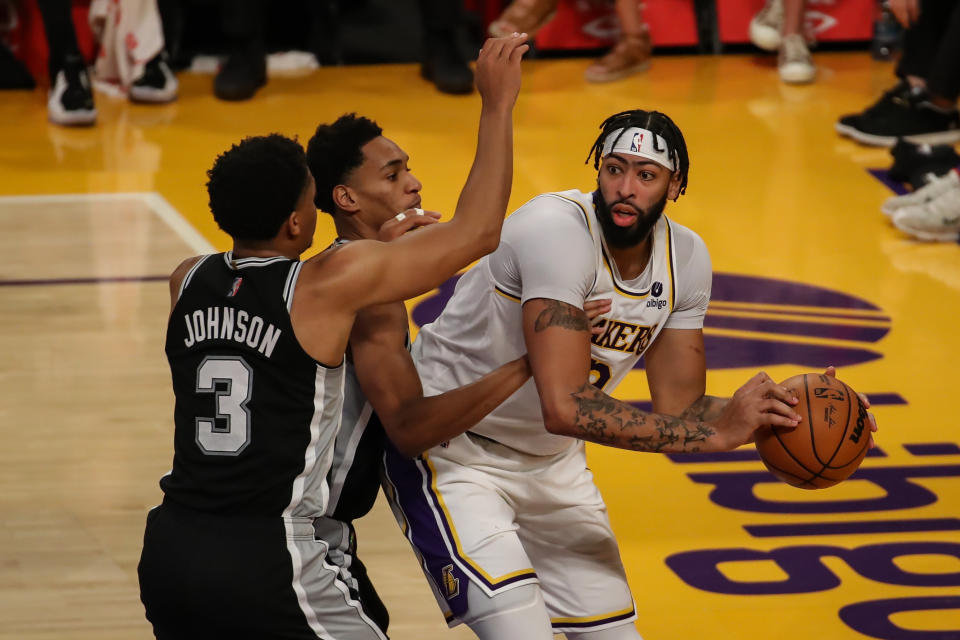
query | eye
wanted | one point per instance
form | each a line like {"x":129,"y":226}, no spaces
{"x":613,"y":169}
{"x":647,"y":175}
{"x":392,"y":177}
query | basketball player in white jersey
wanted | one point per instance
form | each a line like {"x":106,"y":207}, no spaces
{"x":362,"y":179}
{"x":505,"y":518}
{"x":256,"y":341}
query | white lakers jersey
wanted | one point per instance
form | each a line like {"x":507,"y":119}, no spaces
{"x":553,"y":247}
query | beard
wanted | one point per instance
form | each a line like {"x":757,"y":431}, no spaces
{"x":626,"y":237}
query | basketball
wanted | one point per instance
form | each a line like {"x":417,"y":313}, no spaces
{"x":829,"y":443}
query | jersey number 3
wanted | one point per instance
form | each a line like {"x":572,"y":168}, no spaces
{"x":232,"y":435}
{"x":599,"y":373}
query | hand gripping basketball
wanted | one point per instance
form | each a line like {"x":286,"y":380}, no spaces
{"x":758,"y":403}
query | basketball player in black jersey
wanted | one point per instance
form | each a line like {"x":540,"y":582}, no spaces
{"x":256,"y":343}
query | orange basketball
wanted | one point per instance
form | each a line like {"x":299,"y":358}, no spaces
{"x":830,"y":441}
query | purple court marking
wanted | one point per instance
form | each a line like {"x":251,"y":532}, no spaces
{"x":731,"y":287}
{"x":740,"y":455}
{"x":40,"y":282}
{"x":839,"y":528}
{"x":720,"y":306}
{"x":884,"y":176}
{"x":932,"y":448}
{"x":798,"y":328}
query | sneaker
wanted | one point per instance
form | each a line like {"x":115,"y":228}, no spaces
{"x":70,"y":102}
{"x":157,"y":84}
{"x":794,"y":61}
{"x":241,"y":75}
{"x":630,"y":55}
{"x":917,"y":160}
{"x":937,"y":219}
{"x":935,"y":186}
{"x":911,"y":117}
{"x":445,"y":66}
{"x":766,"y":25}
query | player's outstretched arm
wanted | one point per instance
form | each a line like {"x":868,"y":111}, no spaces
{"x":390,"y":382}
{"x":558,"y":342}
{"x":374,"y":272}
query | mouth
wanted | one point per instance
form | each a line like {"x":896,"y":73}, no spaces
{"x":416,"y":204}
{"x":623,"y":215}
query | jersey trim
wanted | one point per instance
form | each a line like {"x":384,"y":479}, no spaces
{"x":189,"y":276}
{"x":243,"y":263}
{"x":593,"y":622}
{"x":673,"y":278}
{"x":505,"y":294}
{"x":310,"y":460}
{"x":291,"y":284}
{"x":640,"y":295}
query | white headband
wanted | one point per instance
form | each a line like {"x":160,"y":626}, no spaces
{"x":639,"y":142}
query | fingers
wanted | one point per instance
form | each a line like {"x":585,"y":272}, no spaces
{"x":830,"y":371}
{"x":405,"y":221}
{"x":775,"y":409}
{"x":758,"y":379}
{"x":511,"y":47}
{"x":780,"y":392}
{"x":865,"y":400}
{"x":595,"y":308}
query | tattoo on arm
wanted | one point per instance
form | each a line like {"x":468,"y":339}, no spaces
{"x":563,"y":315}
{"x":604,"y":420}
{"x":705,"y":408}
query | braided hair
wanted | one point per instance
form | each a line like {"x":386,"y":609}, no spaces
{"x":654,"y":121}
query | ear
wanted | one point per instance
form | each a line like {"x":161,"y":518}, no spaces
{"x":292,"y":226}
{"x":673,"y":190}
{"x":345,"y":199}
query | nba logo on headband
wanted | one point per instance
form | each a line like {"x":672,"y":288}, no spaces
{"x":639,"y":142}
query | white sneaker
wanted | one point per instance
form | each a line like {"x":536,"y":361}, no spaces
{"x":70,"y":102}
{"x":937,"y":219}
{"x":934,"y":187}
{"x":766,"y":25}
{"x":157,"y":84}
{"x":794,"y":61}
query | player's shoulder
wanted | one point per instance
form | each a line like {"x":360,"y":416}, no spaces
{"x":555,"y":208}
{"x":181,"y":271}
{"x":687,"y":240}
{"x":692,"y":255}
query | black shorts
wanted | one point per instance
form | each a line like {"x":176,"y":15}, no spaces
{"x":211,"y":576}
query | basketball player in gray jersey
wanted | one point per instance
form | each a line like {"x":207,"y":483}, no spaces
{"x":256,"y":341}
{"x":506,"y":518}
{"x":363,"y":179}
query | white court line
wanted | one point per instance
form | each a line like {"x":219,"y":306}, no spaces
{"x":154,"y":201}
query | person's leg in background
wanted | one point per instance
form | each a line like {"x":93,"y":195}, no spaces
{"x":245,"y":70}
{"x":794,"y":62}
{"x":523,"y":16}
{"x":443,"y":63}
{"x":631,"y":53}
{"x":907,"y":111}
{"x":71,"y":95}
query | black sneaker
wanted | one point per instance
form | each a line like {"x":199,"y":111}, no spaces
{"x":71,"y":99}
{"x":157,"y":84}
{"x":911,"y":117}
{"x":912,"y":160}
{"x":445,"y":66}
{"x":240,"y":77}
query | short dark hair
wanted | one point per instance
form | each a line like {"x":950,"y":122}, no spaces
{"x":255,"y":185}
{"x":335,"y":150}
{"x":653,"y":121}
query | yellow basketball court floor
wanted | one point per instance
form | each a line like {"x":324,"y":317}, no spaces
{"x":808,"y":273}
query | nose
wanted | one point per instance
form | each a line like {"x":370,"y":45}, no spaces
{"x":414,"y":186}
{"x":628,"y":187}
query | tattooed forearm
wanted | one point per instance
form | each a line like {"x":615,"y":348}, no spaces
{"x":563,"y":315}
{"x":705,"y":408}
{"x":601,"y":419}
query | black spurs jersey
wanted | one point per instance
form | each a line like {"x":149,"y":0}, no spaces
{"x":256,"y":417}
